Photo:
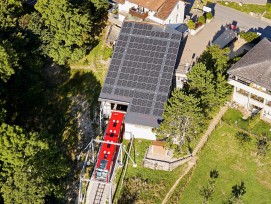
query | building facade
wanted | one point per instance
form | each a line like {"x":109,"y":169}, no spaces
{"x":164,"y":12}
{"x":251,"y":79}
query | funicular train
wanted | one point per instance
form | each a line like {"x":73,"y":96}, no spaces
{"x":108,"y":152}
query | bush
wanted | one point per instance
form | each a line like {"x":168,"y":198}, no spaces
{"x":209,"y":15}
{"x":191,"y":24}
{"x":248,"y":36}
{"x":201,"y":19}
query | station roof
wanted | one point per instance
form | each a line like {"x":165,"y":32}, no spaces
{"x":141,"y":71}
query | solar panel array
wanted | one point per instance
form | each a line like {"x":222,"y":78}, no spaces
{"x":142,"y":67}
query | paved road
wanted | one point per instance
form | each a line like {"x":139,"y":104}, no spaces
{"x":227,"y":15}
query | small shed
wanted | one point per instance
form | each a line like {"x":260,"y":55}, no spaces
{"x":159,"y":148}
{"x":225,"y":38}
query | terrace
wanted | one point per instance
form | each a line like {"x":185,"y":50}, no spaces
{"x":138,"y":13}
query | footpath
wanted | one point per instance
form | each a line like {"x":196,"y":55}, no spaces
{"x":201,"y":143}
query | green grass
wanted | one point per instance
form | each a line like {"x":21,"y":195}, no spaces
{"x":246,"y":8}
{"x":143,"y":185}
{"x":234,"y":163}
{"x":93,"y":61}
{"x":252,"y":125}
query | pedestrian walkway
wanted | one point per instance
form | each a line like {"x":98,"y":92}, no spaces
{"x":201,"y":143}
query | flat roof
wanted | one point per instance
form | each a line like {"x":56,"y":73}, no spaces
{"x":141,"y":70}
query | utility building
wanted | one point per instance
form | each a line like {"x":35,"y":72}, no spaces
{"x":139,"y":77}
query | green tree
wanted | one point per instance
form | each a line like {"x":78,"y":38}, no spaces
{"x":215,"y":59}
{"x":200,"y":83}
{"x":243,"y":137}
{"x":248,"y":36}
{"x":65,"y":32}
{"x":182,"y":120}
{"x":8,"y":60}
{"x":209,"y":15}
{"x":191,"y":24}
{"x":201,"y":20}
{"x":9,"y":12}
{"x":237,"y":193}
{"x":262,"y":145}
{"x":31,"y":167}
{"x":207,"y":191}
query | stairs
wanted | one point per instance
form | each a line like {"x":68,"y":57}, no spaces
{"x":211,"y":127}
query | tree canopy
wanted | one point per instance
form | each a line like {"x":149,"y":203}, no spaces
{"x":182,"y":119}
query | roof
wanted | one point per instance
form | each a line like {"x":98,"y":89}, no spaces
{"x":141,"y":70}
{"x":153,"y":5}
{"x":225,"y":38}
{"x":255,"y":65}
{"x":158,"y":143}
{"x":166,"y":9}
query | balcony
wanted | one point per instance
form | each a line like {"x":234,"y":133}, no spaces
{"x":243,"y":92}
{"x":257,"y":98}
{"x":137,"y":13}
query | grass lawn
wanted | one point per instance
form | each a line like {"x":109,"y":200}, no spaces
{"x":246,"y":8}
{"x":93,"y":61}
{"x":253,"y":125}
{"x":235,"y":162}
{"x":143,"y":185}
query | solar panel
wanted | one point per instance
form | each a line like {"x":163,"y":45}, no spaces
{"x":142,"y":67}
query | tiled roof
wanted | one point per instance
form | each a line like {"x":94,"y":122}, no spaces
{"x":166,"y":9}
{"x":153,"y":5}
{"x":255,"y":65}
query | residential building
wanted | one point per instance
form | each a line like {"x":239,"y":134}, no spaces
{"x":251,"y":79}
{"x":164,"y":12}
{"x":139,"y":77}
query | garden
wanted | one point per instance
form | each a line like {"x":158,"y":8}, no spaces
{"x":235,"y":155}
{"x":143,"y":185}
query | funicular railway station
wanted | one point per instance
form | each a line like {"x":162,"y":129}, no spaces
{"x":136,"y":87}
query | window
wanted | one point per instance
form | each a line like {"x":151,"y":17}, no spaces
{"x":111,"y":134}
{"x":108,"y":145}
{"x":169,"y":21}
{"x":177,"y":6}
{"x":177,"y":18}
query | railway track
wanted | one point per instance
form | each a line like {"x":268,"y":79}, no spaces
{"x":99,"y":193}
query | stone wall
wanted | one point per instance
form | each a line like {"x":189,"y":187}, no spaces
{"x":164,"y":165}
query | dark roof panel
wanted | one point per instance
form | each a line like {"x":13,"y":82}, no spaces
{"x":141,"y":71}
{"x":255,"y":65}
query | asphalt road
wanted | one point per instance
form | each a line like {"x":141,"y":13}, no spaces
{"x":244,"y":21}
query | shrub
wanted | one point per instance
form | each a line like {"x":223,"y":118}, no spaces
{"x":191,"y":24}
{"x":201,"y":19}
{"x":209,"y":15}
{"x":248,"y":36}
{"x":242,"y":137}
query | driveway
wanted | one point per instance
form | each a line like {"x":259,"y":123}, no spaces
{"x":195,"y":45}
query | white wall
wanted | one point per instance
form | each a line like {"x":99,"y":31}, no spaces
{"x":126,"y":6}
{"x":178,"y":10}
{"x":143,"y":132}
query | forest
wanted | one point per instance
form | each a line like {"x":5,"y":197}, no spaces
{"x":38,"y":134}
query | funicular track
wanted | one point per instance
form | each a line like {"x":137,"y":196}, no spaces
{"x":99,"y":193}
{"x":97,"y":185}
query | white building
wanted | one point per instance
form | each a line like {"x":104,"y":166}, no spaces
{"x":164,"y":12}
{"x":251,"y":78}
{"x":139,"y":77}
